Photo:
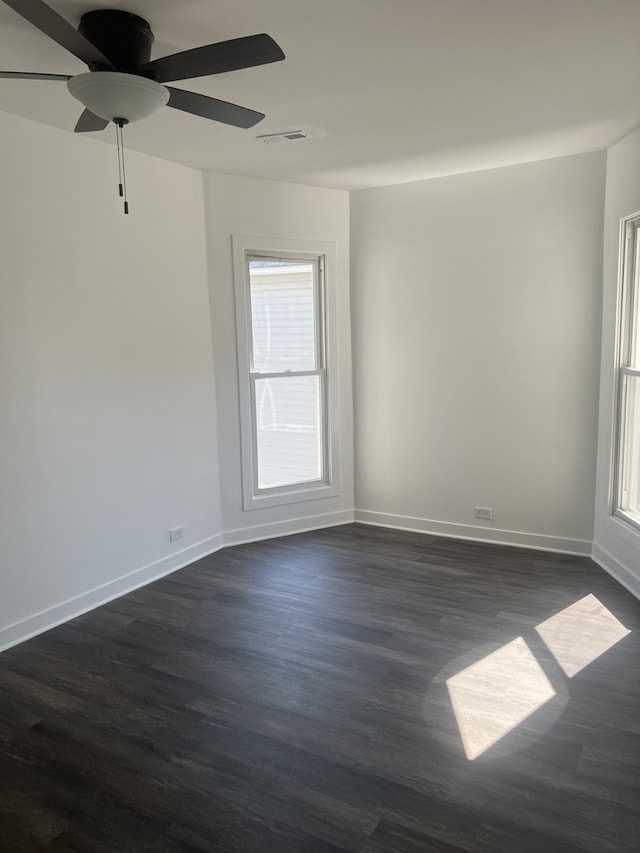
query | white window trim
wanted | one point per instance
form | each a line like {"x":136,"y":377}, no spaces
{"x":242,"y":246}
{"x":628,"y":291}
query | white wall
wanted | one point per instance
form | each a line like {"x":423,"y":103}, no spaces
{"x":108,"y":431}
{"x":237,"y":205}
{"x":616,"y":545}
{"x":476,"y":329}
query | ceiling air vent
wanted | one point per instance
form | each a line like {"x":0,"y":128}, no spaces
{"x":287,"y":136}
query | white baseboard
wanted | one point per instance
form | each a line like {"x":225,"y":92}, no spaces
{"x":29,"y":627}
{"x":475,"y":533}
{"x":257,"y":532}
{"x":616,"y":569}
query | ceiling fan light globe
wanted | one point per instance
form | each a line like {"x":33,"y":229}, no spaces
{"x":114,"y":95}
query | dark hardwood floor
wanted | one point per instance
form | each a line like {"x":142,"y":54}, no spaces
{"x":291,"y":695}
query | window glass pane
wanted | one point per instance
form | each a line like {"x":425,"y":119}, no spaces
{"x":630,"y":499}
{"x":288,"y":430}
{"x":634,"y":295}
{"x":283,"y":320}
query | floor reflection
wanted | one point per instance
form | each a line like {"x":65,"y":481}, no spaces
{"x":492,"y":696}
{"x":495,"y":694}
{"x":581,"y":633}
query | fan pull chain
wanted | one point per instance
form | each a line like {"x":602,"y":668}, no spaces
{"x":122,"y":176}
{"x":120,"y":189}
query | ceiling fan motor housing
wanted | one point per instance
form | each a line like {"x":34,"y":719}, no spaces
{"x":124,"y":38}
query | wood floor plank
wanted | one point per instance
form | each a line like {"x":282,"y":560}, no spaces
{"x":394,"y":838}
{"x":293,"y":695}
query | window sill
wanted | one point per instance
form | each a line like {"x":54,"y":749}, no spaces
{"x":290,"y":495}
{"x":628,"y":517}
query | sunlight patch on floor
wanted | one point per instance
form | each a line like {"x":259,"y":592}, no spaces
{"x":581,"y":633}
{"x":492,"y":696}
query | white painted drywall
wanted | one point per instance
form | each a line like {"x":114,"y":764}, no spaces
{"x":238,"y":205}
{"x":476,"y":338}
{"x":616,"y":545}
{"x":107,"y":430}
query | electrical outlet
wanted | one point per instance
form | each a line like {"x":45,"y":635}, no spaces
{"x":484,"y":512}
{"x":176,"y":533}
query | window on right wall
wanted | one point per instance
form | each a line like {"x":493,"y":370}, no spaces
{"x":627,"y":489}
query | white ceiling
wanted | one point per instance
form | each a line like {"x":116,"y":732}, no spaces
{"x":393,"y":90}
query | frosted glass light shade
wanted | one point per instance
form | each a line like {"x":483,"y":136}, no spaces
{"x":112,"y":95}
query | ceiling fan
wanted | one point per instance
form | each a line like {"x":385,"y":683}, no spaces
{"x":116,"y":46}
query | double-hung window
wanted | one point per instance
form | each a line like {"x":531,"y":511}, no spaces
{"x":627,"y":498}
{"x":287,"y":404}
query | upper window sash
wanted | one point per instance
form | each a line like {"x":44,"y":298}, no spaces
{"x":315,"y":262}
{"x":633,"y":310}
{"x":629,"y":345}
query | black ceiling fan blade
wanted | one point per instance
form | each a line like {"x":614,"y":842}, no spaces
{"x":27,"y":75}
{"x":213,"y":59}
{"x":212,"y":108}
{"x":60,"y":30}
{"x":88,"y":121}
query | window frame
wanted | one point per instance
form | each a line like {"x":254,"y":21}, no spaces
{"x":627,"y":347}
{"x":246,"y":248}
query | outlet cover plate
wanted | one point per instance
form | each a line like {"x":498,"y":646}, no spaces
{"x":483,"y":512}
{"x":176,"y":533}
